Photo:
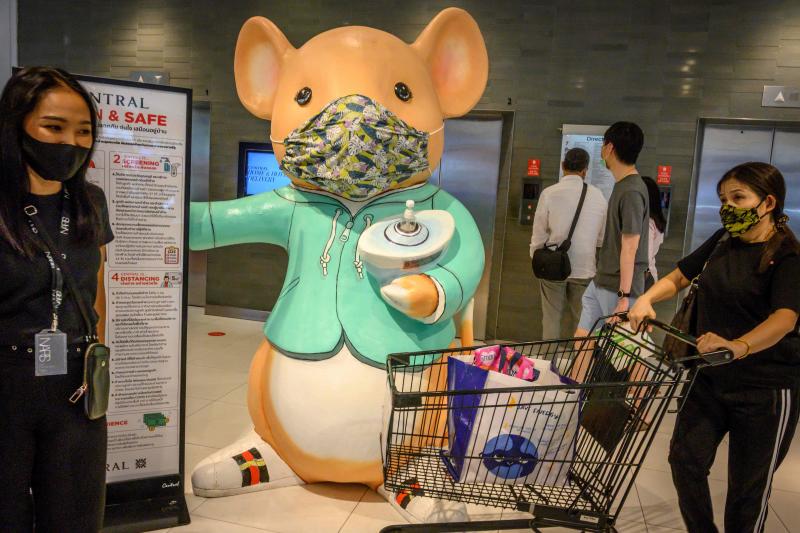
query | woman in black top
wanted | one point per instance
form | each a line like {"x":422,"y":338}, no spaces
{"x":748,"y":302}
{"x":52,"y":457}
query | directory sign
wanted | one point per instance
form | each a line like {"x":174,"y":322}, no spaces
{"x":590,"y":138}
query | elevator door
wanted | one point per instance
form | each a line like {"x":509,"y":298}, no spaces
{"x":470,"y":170}
{"x":785,"y":150}
{"x":724,"y":146}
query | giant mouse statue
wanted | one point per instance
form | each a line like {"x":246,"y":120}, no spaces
{"x":357,"y":124}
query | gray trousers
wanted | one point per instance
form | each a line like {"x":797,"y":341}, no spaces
{"x":561,"y":306}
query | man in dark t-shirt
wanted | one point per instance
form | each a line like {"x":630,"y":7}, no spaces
{"x":623,"y":256}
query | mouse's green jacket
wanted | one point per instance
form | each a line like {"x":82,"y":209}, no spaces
{"x":328,"y":298}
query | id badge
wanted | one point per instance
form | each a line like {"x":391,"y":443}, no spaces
{"x":51,"y":353}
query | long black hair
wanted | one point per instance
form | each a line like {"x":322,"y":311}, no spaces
{"x":20,"y":96}
{"x":654,"y":195}
{"x":765,"y":179}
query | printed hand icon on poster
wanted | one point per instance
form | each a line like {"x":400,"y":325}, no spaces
{"x":318,"y":381}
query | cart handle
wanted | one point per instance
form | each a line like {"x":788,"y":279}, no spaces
{"x":713,"y":358}
{"x":667,"y":328}
{"x":670,"y":330}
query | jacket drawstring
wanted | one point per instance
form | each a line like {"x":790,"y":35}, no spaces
{"x":357,"y":260}
{"x":325,"y":258}
{"x":346,"y":232}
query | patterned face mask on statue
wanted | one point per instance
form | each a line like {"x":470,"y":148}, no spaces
{"x":738,"y":220}
{"x":355,"y":148}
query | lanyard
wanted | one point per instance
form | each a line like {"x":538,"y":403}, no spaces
{"x":57,"y":278}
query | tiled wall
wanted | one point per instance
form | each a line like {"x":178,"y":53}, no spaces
{"x":662,"y":64}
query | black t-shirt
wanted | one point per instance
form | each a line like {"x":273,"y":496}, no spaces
{"x":25,"y":291}
{"x":733,"y":298}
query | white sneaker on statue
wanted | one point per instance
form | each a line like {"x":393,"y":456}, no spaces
{"x":247,"y":465}
{"x":416,"y":508}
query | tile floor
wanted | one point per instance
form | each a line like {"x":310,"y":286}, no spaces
{"x":217,"y":415}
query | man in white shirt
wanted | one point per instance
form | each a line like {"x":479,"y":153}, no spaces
{"x":561,"y":300}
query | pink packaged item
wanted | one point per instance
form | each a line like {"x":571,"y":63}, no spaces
{"x":486,"y":357}
{"x":506,"y":361}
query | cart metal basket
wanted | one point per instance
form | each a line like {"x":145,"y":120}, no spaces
{"x":624,"y":383}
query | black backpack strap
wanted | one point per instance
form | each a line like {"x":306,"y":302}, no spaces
{"x":568,"y":242}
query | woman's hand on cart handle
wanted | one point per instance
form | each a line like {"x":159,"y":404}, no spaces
{"x":641,"y":311}
{"x":709,"y":342}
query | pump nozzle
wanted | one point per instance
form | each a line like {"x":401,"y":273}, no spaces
{"x":409,"y":223}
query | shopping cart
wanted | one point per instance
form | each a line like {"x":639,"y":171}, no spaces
{"x":625,"y":383}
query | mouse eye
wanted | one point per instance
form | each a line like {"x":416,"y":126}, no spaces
{"x":303,"y":96}
{"x":402,"y":91}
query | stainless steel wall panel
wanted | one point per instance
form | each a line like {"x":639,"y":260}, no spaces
{"x":470,"y":170}
{"x":201,"y":143}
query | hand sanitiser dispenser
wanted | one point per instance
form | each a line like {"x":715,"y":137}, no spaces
{"x":411,"y":244}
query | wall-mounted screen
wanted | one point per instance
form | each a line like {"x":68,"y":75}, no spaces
{"x":259,"y":170}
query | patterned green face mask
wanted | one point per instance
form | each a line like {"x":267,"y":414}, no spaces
{"x":355,"y":148}
{"x":737,"y":220}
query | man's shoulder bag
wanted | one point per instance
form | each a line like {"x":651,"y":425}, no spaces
{"x":552,"y":263}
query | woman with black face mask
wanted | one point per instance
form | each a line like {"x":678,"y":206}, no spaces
{"x":52,"y":457}
{"x":748,"y":301}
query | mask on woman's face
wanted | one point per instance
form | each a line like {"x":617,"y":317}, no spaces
{"x":355,"y":148}
{"x":53,"y":161}
{"x":738,"y":220}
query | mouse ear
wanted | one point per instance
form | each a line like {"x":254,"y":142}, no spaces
{"x":260,"y":55}
{"x":453,"y":48}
